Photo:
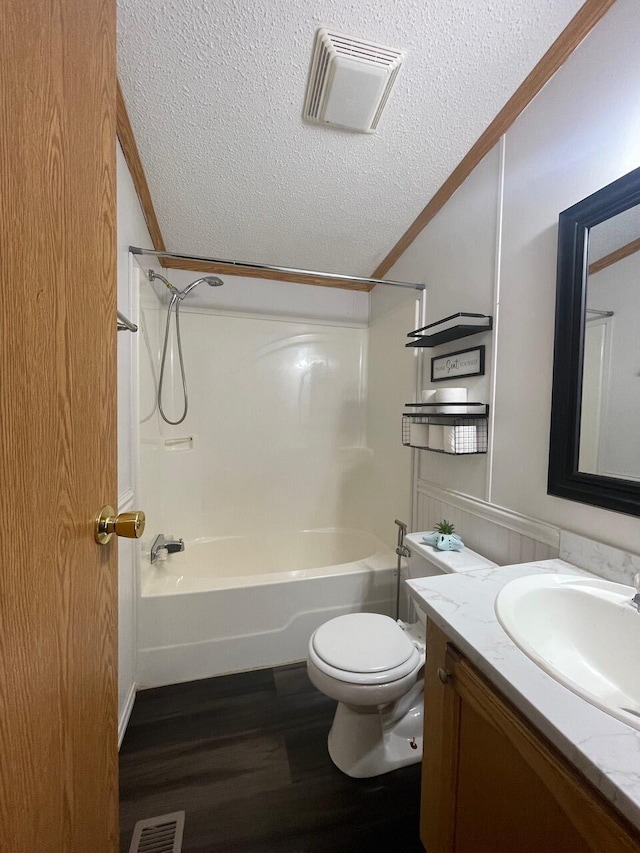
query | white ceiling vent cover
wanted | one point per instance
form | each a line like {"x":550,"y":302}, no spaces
{"x":350,"y":81}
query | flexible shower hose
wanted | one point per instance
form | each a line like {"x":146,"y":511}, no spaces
{"x":175,"y":301}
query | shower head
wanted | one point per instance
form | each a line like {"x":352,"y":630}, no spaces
{"x":211,"y":280}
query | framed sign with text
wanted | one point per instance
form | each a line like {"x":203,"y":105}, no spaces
{"x":453,"y":365}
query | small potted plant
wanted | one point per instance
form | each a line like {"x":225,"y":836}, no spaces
{"x":444,"y":537}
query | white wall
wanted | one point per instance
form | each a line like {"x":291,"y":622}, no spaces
{"x":579,"y":134}
{"x":456,"y":257}
{"x":391,"y":384}
{"x":131,"y":230}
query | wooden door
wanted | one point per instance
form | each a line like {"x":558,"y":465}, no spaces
{"x":58,"y":602}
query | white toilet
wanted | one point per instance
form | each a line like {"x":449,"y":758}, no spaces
{"x":373,"y":667}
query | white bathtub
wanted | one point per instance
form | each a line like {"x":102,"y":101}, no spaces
{"x":235,"y":603}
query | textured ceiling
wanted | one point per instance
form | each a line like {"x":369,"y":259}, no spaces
{"x":215,"y":90}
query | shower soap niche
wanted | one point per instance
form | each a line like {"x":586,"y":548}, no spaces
{"x":179,"y":444}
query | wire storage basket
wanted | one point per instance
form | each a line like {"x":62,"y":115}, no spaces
{"x":455,"y":435}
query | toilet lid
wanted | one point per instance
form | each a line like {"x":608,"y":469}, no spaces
{"x":362,"y":642}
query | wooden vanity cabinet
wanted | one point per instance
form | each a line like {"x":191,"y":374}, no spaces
{"x":491,"y":783}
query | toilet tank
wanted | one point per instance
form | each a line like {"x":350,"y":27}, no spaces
{"x":427,"y":561}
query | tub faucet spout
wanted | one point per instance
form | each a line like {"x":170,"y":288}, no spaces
{"x":172,"y":546}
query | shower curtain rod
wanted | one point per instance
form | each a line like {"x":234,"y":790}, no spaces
{"x":135,"y":250}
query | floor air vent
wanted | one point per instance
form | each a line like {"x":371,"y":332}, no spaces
{"x":158,"y":834}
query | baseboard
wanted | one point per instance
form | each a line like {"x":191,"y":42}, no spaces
{"x":123,"y":722}
{"x":523,"y":524}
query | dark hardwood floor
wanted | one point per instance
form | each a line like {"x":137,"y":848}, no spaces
{"x":246,"y":757}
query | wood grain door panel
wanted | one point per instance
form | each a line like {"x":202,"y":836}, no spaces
{"x":58,"y":602}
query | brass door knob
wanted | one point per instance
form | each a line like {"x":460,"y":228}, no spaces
{"x":130,"y":525}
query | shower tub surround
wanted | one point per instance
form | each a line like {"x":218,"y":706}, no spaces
{"x":275,"y":437}
{"x":273,"y":479}
{"x":234,"y":603}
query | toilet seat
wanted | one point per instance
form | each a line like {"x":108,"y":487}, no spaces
{"x":364,"y":648}
{"x":373,"y":667}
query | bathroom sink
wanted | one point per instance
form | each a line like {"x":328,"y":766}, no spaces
{"x":584,"y":632}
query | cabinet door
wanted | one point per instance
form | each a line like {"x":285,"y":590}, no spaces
{"x":492,"y":783}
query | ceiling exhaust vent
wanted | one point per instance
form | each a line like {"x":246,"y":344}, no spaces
{"x":350,"y":81}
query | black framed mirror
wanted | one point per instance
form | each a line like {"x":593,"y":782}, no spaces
{"x":594,"y":452}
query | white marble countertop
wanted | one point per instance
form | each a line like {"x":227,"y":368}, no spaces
{"x":605,"y":750}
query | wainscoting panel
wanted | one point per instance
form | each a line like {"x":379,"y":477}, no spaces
{"x":494,"y":532}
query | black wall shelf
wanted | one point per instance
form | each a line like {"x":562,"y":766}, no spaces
{"x":451,"y":328}
{"x":428,"y":412}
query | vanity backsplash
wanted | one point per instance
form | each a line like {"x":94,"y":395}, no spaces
{"x":507,"y":538}
{"x":603,"y":560}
